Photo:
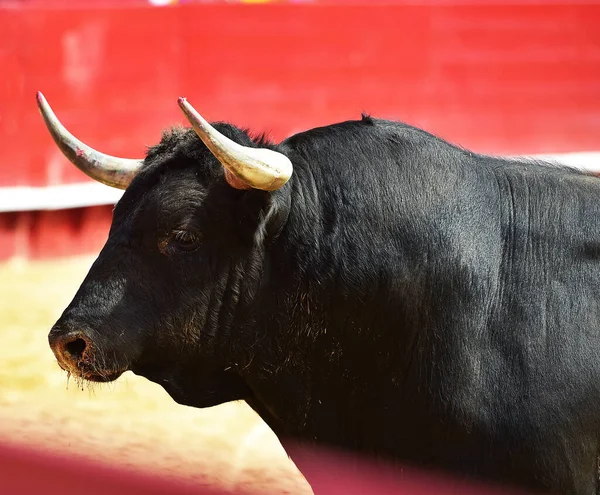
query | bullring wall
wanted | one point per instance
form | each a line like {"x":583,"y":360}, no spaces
{"x":519,"y":79}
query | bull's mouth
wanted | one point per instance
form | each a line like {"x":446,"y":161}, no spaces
{"x":84,"y":372}
{"x":102,"y":377}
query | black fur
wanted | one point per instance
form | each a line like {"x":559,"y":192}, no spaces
{"x":399,"y":296}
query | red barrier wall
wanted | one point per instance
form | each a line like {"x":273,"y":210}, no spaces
{"x":495,"y":78}
{"x":25,"y":471}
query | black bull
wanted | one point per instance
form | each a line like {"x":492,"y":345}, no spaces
{"x":398,"y":296}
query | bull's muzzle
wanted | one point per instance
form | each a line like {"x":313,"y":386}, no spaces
{"x":80,"y":355}
{"x":69,"y":347}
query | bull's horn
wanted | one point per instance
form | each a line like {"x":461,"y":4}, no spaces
{"x":110,"y":170}
{"x":260,"y":168}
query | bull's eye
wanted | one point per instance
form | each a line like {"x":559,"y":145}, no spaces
{"x":185,"y":240}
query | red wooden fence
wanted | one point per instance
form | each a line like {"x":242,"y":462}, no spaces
{"x":499,"y":78}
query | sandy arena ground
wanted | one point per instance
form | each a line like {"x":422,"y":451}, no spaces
{"x":131,"y":422}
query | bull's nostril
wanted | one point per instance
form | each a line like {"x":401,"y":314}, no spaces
{"x":76,"y":348}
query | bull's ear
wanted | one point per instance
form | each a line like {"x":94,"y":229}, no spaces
{"x":246,"y":167}
{"x":260,"y":216}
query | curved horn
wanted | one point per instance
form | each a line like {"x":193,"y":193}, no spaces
{"x":110,"y":170}
{"x":260,"y":168}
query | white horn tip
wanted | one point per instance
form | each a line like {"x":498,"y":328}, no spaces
{"x":190,"y":112}
{"x":184,"y":105}
{"x":41,"y":101}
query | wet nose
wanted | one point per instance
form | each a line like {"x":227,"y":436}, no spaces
{"x":68,"y":347}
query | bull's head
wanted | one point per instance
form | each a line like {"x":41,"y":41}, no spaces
{"x":182,"y":260}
